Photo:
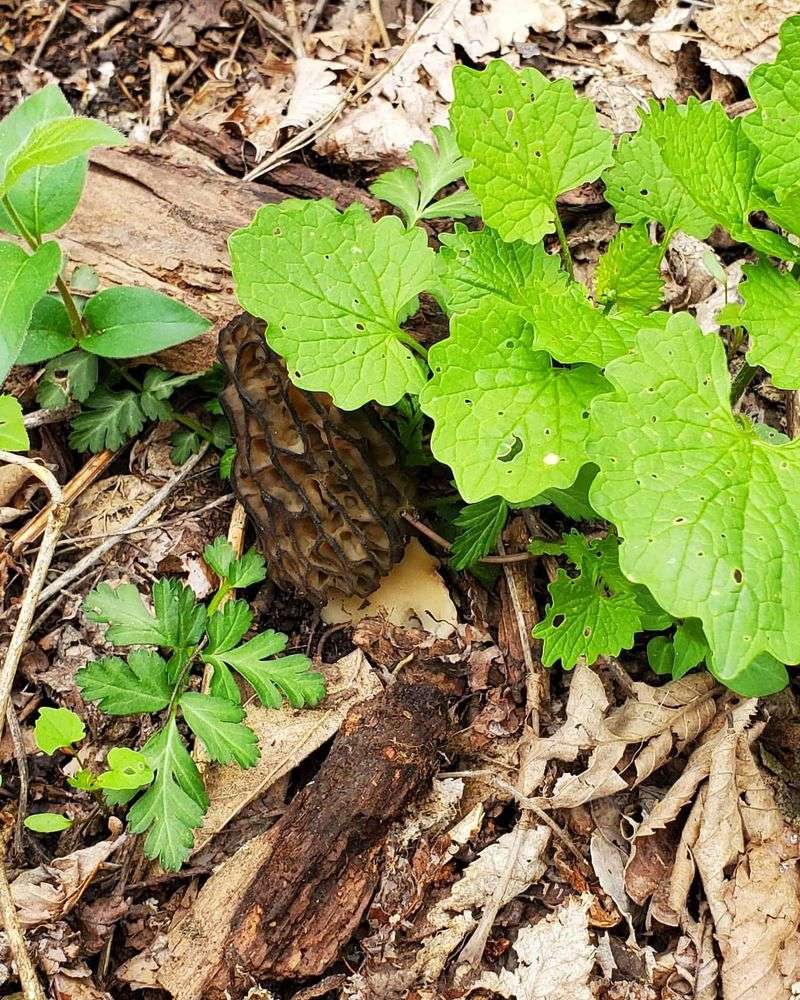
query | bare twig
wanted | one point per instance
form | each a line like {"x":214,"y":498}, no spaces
{"x":31,"y":987}
{"x":57,"y":518}
{"x":793,"y":413}
{"x":314,"y":16}
{"x":41,"y":417}
{"x":152,"y":505}
{"x":377,"y":13}
{"x":55,"y":20}
{"x":436,"y":538}
{"x":22,"y":769}
{"x":85,"y":477}
{"x":292,"y":22}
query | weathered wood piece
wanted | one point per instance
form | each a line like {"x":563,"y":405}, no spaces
{"x":284,"y":905}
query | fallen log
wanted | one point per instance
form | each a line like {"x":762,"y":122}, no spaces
{"x":161,"y":219}
{"x":285,"y":904}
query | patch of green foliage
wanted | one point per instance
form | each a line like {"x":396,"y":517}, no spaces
{"x":80,"y":333}
{"x":172,"y":636}
{"x":546,"y":391}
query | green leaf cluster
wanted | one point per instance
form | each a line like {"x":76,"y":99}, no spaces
{"x":44,"y":151}
{"x":171,"y":634}
{"x":592,"y":399}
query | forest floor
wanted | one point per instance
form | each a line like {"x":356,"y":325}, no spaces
{"x":619,"y":879}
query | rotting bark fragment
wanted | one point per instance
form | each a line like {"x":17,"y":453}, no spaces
{"x":322,"y":486}
{"x":284,"y":905}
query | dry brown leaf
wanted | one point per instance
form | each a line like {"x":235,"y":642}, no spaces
{"x":587,"y":704}
{"x":286,"y":737}
{"x":555,"y":959}
{"x":76,"y":983}
{"x":44,"y":894}
{"x":413,"y":593}
{"x":315,"y":92}
{"x":260,"y":116}
{"x":683,"y":707}
{"x":599,"y":778}
{"x":608,"y":863}
{"x":741,"y":34}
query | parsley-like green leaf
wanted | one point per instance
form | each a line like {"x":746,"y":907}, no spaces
{"x":480,"y":270}
{"x":289,"y":676}
{"x":219,"y":556}
{"x":228,"y":626}
{"x":174,"y":804}
{"x":122,"y":608}
{"x":13,"y":436}
{"x":772,"y":127}
{"x":185,"y":443}
{"x":506,"y":421}
{"x":181,"y":618}
{"x":56,"y":728}
{"x":628,"y":274}
{"x":413,"y":192}
{"x":711,"y":157}
{"x":158,"y":386}
{"x":110,"y":418}
{"x":596,"y":613}
{"x":73,"y":374}
{"x":218,"y":723}
{"x":771,"y":315}
{"x":140,"y":685}
{"x":529,"y":141}
{"x":236,"y":572}
{"x":641,"y":186}
{"x":334,"y":288}
{"x":479,"y":526}
{"x":687,"y":649}
{"x":693,"y":491}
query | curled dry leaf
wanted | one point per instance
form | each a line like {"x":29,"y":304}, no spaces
{"x":555,"y":959}
{"x":44,"y":894}
{"x":738,"y":35}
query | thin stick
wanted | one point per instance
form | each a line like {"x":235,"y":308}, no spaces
{"x":793,"y":413}
{"x":80,"y":481}
{"x":377,"y":13}
{"x":39,"y":418}
{"x":314,"y":16}
{"x":57,"y":518}
{"x":152,"y":505}
{"x":566,"y":256}
{"x":51,"y":27}
{"x":293,"y":24}
{"x":31,"y":987}
{"x":423,"y":529}
{"x":22,"y":769}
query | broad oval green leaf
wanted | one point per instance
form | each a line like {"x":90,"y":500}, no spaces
{"x":13,"y":436}
{"x":334,"y":288}
{"x":709,"y":512}
{"x":24,"y":279}
{"x":56,"y":728}
{"x":47,"y":822}
{"x":45,"y":197}
{"x":49,"y":333}
{"x":53,"y":142}
{"x":529,"y":141}
{"x":127,"y":769}
{"x":506,"y":421}
{"x":128,"y":322}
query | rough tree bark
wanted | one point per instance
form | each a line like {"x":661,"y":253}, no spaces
{"x":284,"y":905}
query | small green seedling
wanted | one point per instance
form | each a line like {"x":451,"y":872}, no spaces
{"x":58,"y":729}
{"x":171,"y":639}
{"x":596,"y":400}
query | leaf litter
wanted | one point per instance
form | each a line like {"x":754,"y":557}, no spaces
{"x":697,"y":851}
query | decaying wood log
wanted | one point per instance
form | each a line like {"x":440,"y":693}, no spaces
{"x":284,"y":905}
{"x":161,"y":219}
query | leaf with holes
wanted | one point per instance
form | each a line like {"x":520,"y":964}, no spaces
{"x":482,"y":271}
{"x":693,"y":491}
{"x":771,"y":315}
{"x":773,"y":126}
{"x":506,"y":421}
{"x":641,"y":187}
{"x":596,"y":613}
{"x":334,"y":288}
{"x":529,"y":141}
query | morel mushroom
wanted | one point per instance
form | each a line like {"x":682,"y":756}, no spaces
{"x":323,"y":487}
